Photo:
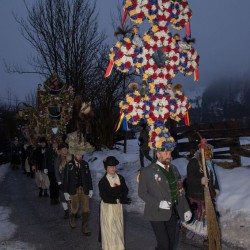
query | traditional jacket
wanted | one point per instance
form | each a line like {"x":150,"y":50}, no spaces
{"x":154,"y":188}
{"x":71,"y":177}
{"x":112,"y":194}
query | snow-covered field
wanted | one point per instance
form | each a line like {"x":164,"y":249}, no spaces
{"x":233,"y":202}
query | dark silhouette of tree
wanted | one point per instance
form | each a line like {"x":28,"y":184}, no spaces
{"x":64,"y":33}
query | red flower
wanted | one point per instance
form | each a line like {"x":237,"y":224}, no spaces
{"x":137,"y":99}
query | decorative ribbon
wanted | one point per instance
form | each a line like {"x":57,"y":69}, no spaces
{"x":188,"y":30}
{"x":196,"y":74}
{"x":124,"y":16}
{"x":186,"y":119}
{"x":109,"y":69}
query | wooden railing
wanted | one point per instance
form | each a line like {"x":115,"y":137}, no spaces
{"x":224,"y":136}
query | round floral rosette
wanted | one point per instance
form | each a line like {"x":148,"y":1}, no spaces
{"x":189,"y":61}
{"x":138,"y":10}
{"x":126,"y":56}
{"x":160,"y":53}
{"x":176,"y":12}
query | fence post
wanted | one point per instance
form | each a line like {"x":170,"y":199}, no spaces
{"x":234,"y":150}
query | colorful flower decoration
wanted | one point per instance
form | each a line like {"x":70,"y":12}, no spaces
{"x":189,"y":61}
{"x":158,"y":104}
{"x":158,"y":61}
{"x":157,"y":177}
{"x":159,"y":12}
{"x":161,"y":54}
{"x":126,"y":56}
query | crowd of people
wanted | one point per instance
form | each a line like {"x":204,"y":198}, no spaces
{"x":63,"y":175}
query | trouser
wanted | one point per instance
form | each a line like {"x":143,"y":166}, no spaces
{"x":79,"y":199}
{"x":165,"y":233}
{"x":145,"y":153}
{"x":53,"y":187}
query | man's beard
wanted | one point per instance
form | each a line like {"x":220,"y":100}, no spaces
{"x":165,"y":162}
{"x":79,"y":161}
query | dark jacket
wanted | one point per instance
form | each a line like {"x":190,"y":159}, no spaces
{"x":110,"y":194}
{"x":143,"y":140}
{"x":153,"y":190}
{"x":70,"y":177}
{"x":42,"y":160}
{"x":194,"y":188}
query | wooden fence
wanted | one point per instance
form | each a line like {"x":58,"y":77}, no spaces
{"x":222,"y":135}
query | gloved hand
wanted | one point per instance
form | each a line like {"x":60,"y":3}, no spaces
{"x":90,"y":193}
{"x":187,"y":216}
{"x":165,"y":205}
{"x":67,"y":196}
{"x":125,"y":201}
{"x":45,"y":171}
{"x":204,"y":181}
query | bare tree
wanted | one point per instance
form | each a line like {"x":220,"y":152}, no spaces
{"x":64,"y":34}
{"x":105,"y":94}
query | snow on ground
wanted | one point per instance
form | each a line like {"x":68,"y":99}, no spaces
{"x":7,"y":228}
{"x":233,"y":202}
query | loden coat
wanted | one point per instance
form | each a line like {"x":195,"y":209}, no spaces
{"x":154,"y":188}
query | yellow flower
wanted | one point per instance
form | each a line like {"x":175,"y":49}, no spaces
{"x":150,"y":145}
{"x":146,"y":38}
{"x":137,"y":93}
{"x":158,"y":131}
{"x":118,"y":44}
{"x":128,"y":116}
{"x":118,"y":63}
{"x":132,"y":12}
{"x":127,"y":40}
{"x":155,"y":28}
{"x":158,"y":144}
{"x":150,"y":122}
{"x":111,"y":56}
{"x":146,"y":98}
{"x":129,"y":99}
{"x":171,"y":139}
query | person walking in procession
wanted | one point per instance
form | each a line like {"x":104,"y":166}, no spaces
{"x":51,"y":155}
{"x":15,"y":154}
{"x":41,"y":167}
{"x":160,"y":187}
{"x":60,"y":162}
{"x":113,"y":192}
{"x":143,"y":143}
{"x":195,"y":183}
{"x":78,"y":189}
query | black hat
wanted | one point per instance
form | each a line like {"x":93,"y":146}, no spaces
{"x":63,"y":145}
{"x":110,"y":161}
{"x":43,"y":139}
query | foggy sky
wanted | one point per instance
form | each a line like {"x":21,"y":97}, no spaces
{"x":221,"y":29}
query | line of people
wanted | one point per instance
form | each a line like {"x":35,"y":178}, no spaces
{"x":68,"y":178}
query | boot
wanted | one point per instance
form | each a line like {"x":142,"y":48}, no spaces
{"x":40,"y":192}
{"x":45,"y":193}
{"x":72,"y":220}
{"x":66,"y":214}
{"x":85,"y":229}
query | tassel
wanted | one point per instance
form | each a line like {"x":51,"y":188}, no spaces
{"x":188,"y":30}
{"x":196,"y":74}
{"x":109,"y":69}
{"x":186,"y":119}
{"x":124,"y":16}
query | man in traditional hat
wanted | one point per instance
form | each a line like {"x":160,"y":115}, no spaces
{"x":78,"y":188}
{"x":160,"y":187}
{"x":135,"y":38}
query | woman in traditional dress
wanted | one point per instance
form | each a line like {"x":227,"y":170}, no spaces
{"x":113,"y":192}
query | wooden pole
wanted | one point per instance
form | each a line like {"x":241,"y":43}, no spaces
{"x":213,"y":229}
